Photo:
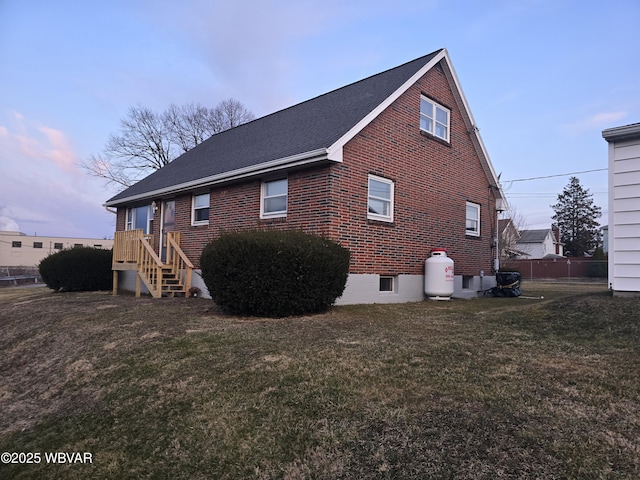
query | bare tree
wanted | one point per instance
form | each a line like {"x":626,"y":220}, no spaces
{"x":188,"y":125}
{"x":228,"y":114}
{"x":148,"y":141}
{"x":510,"y":227}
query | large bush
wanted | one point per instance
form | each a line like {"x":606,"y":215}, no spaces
{"x":78,"y":269}
{"x":274,"y":273}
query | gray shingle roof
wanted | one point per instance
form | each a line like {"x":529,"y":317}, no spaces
{"x":533,"y":236}
{"x":306,"y":127}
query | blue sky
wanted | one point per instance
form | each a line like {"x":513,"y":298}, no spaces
{"x":543,"y":78}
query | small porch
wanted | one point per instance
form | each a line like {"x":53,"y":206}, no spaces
{"x":134,"y":250}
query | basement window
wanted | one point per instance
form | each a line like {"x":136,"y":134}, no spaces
{"x":387,"y":284}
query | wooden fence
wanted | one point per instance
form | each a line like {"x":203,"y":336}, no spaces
{"x":576,"y":267}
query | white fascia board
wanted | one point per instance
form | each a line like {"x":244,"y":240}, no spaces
{"x":621,"y":133}
{"x":254,"y":170}
{"x":341,"y":142}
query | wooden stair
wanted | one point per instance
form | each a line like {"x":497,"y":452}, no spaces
{"x":172,"y":285}
{"x":134,"y":251}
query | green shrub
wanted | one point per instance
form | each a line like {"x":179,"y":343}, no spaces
{"x":77,"y":269}
{"x":274,"y":273}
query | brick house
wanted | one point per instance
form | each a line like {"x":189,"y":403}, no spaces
{"x":390,"y":167}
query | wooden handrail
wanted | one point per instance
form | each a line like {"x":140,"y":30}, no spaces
{"x":135,"y":247}
{"x":125,"y":245}
{"x":150,"y":267}
{"x":181,"y":265}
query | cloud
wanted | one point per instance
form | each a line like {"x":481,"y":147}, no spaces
{"x":41,"y":188}
{"x":59,"y":151}
{"x":37,"y":142}
{"x":597,"y":121}
{"x":7,"y":223}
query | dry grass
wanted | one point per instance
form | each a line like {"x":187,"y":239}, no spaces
{"x":482,"y":389}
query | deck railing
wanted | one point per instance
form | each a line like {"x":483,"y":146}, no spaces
{"x":135,"y":248}
{"x":125,"y":245}
{"x":149,"y":268}
{"x":179,"y":262}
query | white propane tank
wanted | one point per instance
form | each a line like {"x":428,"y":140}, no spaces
{"x":438,"y":275}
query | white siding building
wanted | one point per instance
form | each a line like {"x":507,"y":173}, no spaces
{"x":539,"y":243}
{"x":624,"y":208}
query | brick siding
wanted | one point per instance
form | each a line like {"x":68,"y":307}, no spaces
{"x":433,"y":181}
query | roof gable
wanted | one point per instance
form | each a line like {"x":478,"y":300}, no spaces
{"x":309,"y":132}
{"x":534,"y":236}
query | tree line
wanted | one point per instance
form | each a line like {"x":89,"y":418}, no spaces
{"x":147,"y":140}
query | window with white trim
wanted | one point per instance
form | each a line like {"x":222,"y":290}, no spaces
{"x":380,"y":199}
{"x":140,"y":217}
{"x":387,"y":283}
{"x":473,"y":219}
{"x":273,"y":199}
{"x":200,"y":209}
{"x":434,"y":118}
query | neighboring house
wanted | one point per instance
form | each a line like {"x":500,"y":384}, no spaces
{"x":390,"y":167}
{"x":624,"y":208}
{"x":539,"y":243}
{"x":604,"y":236}
{"x":508,"y":236}
{"x":20,"y":250}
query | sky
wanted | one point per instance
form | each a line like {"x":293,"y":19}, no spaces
{"x":542,"y":78}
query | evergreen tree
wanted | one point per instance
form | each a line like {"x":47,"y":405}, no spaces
{"x":576,"y":217}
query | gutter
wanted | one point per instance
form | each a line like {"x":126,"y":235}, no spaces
{"x":241,"y":173}
{"x":626,"y":132}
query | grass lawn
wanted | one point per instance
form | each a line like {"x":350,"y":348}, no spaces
{"x":482,"y":389}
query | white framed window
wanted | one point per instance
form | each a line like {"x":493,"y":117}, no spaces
{"x":273,"y":198}
{"x":387,"y":283}
{"x":200,"y":209}
{"x":434,"y":118}
{"x":473,"y":219}
{"x":140,"y":217}
{"x":380,"y":199}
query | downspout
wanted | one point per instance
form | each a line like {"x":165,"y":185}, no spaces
{"x":499,"y":209}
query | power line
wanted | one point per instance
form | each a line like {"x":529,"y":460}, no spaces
{"x":557,"y":175}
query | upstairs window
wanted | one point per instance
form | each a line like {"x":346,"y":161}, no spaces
{"x":473,"y":219}
{"x":16,"y":244}
{"x":434,"y":118}
{"x":200,"y":209}
{"x":273,"y":199}
{"x":37,"y":244}
{"x":380,"y":199}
